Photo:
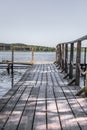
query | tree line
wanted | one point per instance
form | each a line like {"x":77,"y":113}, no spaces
{"x":7,"y":47}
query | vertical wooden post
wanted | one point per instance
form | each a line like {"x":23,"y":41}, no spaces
{"x":71,"y":61}
{"x":32,"y":55}
{"x":12,"y":71}
{"x":85,"y":58}
{"x":12,"y":60}
{"x":62,"y":56}
{"x":57,"y":54}
{"x":66,"y":58}
{"x":86,"y":79}
{"x":77,"y":77}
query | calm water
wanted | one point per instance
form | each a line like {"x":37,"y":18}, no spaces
{"x":6,"y":80}
{"x":26,"y":56}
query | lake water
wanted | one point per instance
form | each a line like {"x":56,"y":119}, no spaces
{"x":27,"y":56}
{"x":6,"y":80}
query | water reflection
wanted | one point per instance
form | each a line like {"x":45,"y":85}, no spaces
{"x":8,"y":80}
{"x":12,"y":79}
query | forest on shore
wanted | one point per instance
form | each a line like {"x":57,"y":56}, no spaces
{"x":7,"y":47}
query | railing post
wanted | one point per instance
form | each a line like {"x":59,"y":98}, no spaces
{"x":12,"y":60}
{"x":12,"y":72}
{"x":66,"y":58}
{"x":85,"y":58}
{"x":71,"y":61}
{"x":77,"y":77}
{"x":32,"y":55}
{"x":86,"y":82}
{"x":57,"y":54}
{"x":62,"y":56}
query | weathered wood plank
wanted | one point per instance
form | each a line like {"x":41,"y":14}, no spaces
{"x":7,"y":110}
{"x":10,"y":93}
{"x":40,"y":114}
{"x":15,"y":116}
{"x":9,"y":107}
{"x":43,"y":101}
{"x":79,"y":114}
{"x":28,"y":115}
{"x":27,"y":119}
{"x":52,"y":113}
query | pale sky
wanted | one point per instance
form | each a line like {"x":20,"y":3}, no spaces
{"x":42,"y":22}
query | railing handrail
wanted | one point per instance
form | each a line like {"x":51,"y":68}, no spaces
{"x":74,"y":41}
{"x":63,"y":57}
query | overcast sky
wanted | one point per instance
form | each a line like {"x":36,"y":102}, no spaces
{"x":42,"y":22}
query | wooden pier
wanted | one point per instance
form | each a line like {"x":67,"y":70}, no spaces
{"x":43,"y":100}
{"x":69,"y":59}
{"x":48,"y":96}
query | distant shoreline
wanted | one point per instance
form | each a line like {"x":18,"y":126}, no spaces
{"x":23,"y":51}
{"x":24,"y":47}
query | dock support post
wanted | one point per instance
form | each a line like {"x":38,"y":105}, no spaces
{"x":66,"y":58}
{"x":32,"y":55}
{"x":77,"y":77}
{"x":12,"y":61}
{"x":71,"y":61}
{"x":57,"y":54}
{"x":12,"y":72}
{"x":62,"y":56}
{"x":85,"y":58}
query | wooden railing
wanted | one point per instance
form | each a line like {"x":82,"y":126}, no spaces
{"x":69,"y":60}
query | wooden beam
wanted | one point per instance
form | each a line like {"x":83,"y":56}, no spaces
{"x":75,"y":41}
{"x":71,"y":61}
{"x":32,"y":55}
{"x":77,"y":77}
{"x":62,"y":53}
{"x":12,"y":62}
{"x":57,"y":54}
{"x":66,"y":58}
{"x":85,"y":58}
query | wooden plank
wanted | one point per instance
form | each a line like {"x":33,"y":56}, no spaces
{"x":27,"y":119}
{"x":4,"y":100}
{"x":29,"y":112}
{"x":43,"y":101}
{"x":66,"y":116}
{"x":40,"y":114}
{"x":65,"y":112}
{"x":15,"y":116}
{"x":52,"y":113}
{"x":79,"y":115}
{"x":10,"y":105}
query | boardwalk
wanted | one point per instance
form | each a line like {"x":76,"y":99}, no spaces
{"x":42,"y":100}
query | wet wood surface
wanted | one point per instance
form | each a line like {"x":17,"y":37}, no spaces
{"x":42,"y":100}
